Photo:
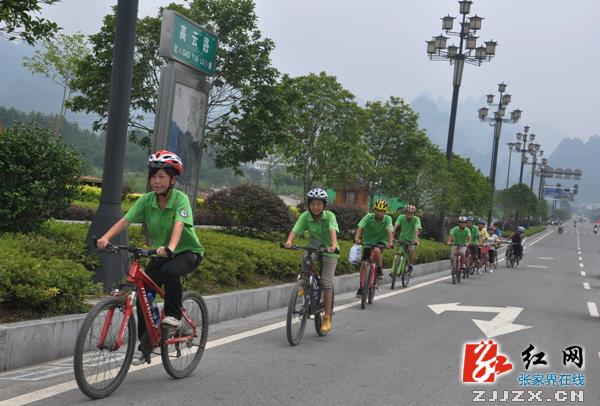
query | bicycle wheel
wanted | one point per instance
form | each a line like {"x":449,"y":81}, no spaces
{"x":297,"y":312}
{"x":395,"y":267}
{"x":99,"y":363}
{"x":405,"y":273}
{"x":453,"y":272}
{"x":372,"y":282}
{"x":364,"y":288}
{"x":320,"y":313}
{"x":182,"y":356}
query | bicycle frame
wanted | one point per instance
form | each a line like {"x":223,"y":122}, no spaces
{"x":139,"y":278}
{"x":373,"y":257}
{"x":458,"y":256}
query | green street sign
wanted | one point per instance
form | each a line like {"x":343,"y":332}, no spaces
{"x":185,"y":41}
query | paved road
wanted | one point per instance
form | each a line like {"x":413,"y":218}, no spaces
{"x":398,"y":351}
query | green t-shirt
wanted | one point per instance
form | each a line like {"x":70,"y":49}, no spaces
{"x":408,"y":228}
{"x":375,"y":231}
{"x":460,"y":236}
{"x":474,"y":234}
{"x":160,"y":222}
{"x":318,"y":230}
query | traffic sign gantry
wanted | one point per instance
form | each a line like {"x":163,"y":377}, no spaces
{"x":187,"y":42}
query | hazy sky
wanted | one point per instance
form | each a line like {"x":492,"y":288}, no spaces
{"x":546,"y":53}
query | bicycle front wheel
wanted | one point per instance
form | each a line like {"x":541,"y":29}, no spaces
{"x":102,"y":357}
{"x":405,"y":274}
{"x":395,"y":267}
{"x":182,"y":349}
{"x":371,"y":284}
{"x":297,"y":312}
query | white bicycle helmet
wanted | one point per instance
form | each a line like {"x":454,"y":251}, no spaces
{"x":317,"y":193}
{"x":521,"y":229}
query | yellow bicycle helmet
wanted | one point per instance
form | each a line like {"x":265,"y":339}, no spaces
{"x":381,"y":204}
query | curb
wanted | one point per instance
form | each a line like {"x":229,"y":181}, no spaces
{"x":32,"y":342}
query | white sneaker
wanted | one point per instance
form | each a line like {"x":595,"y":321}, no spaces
{"x":491,"y":270}
{"x":171,"y":321}
{"x":138,"y":359}
{"x":478,"y":272}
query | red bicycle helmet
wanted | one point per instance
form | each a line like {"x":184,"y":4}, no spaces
{"x":166,"y":159}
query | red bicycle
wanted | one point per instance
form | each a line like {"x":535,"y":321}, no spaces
{"x":457,"y":263}
{"x":368,"y":276}
{"x":106,"y":341}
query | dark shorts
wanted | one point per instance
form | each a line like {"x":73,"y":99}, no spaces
{"x":367,"y":252}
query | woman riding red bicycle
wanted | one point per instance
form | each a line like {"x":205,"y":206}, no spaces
{"x":168,"y":215}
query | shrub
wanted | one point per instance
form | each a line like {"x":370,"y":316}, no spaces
{"x":47,"y":276}
{"x":245,"y":209}
{"x":348,"y":217}
{"x":89,"y":193}
{"x":38,"y":177}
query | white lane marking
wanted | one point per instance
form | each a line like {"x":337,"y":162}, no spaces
{"x":71,"y":385}
{"x":586,"y":285}
{"x":593,"y":309}
{"x":581,"y":259}
{"x":546,"y":258}
{"x":582,"y":273}
{"x":537,"y":266}
{"x":581,"y":265}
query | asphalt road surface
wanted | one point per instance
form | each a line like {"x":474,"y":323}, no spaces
{"x":408,"y":348}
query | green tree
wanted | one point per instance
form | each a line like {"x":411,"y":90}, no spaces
{"x":16,"y":21}
{"x":239,"y":89}
{"x":471,"y":188}
{"x":58,"y":61}
{"x":518,"y":198}
{"x":321,"y":134}
{"x":396,"y":150}
{"x":38,"y":177}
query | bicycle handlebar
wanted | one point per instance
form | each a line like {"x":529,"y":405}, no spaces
{"x":320,"y":250}
{"x":113,"y":249}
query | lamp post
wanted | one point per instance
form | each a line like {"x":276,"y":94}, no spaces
{"x":534,"y":151}
{"x":496,"y":122}
{"x":524,"y":136}
{"x":542,"y":175}
{"x":466,"y":51}
{"x":511,"y":145}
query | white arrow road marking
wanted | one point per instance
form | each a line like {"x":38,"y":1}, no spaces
{"x":499,"y":325}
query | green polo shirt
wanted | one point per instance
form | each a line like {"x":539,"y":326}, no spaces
{"x":317,"y":229}
{"x":408,"y":228}
{"x":160,"y":222}
{"x":375,"y":231}
{"x":460,"y":236}
{"x":474,"y":234}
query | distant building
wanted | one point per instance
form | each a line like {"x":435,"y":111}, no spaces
{"x":263,"y":165}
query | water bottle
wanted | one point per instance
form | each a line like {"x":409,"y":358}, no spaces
{"x":153,"y":307}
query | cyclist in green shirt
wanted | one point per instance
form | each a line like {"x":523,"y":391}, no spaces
{"x":322,"y":227}
{"x":374,"y":228}
{"x":168,"y":215}
{"x":461,"y":236}
{"x":474,"y":241}
{"x":410,"y":228}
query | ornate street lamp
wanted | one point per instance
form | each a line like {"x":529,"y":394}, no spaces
{"x":496,"y":122}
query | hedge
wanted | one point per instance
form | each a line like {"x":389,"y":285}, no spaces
{"x":50,"y":272}
{"x":47,"y":273}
